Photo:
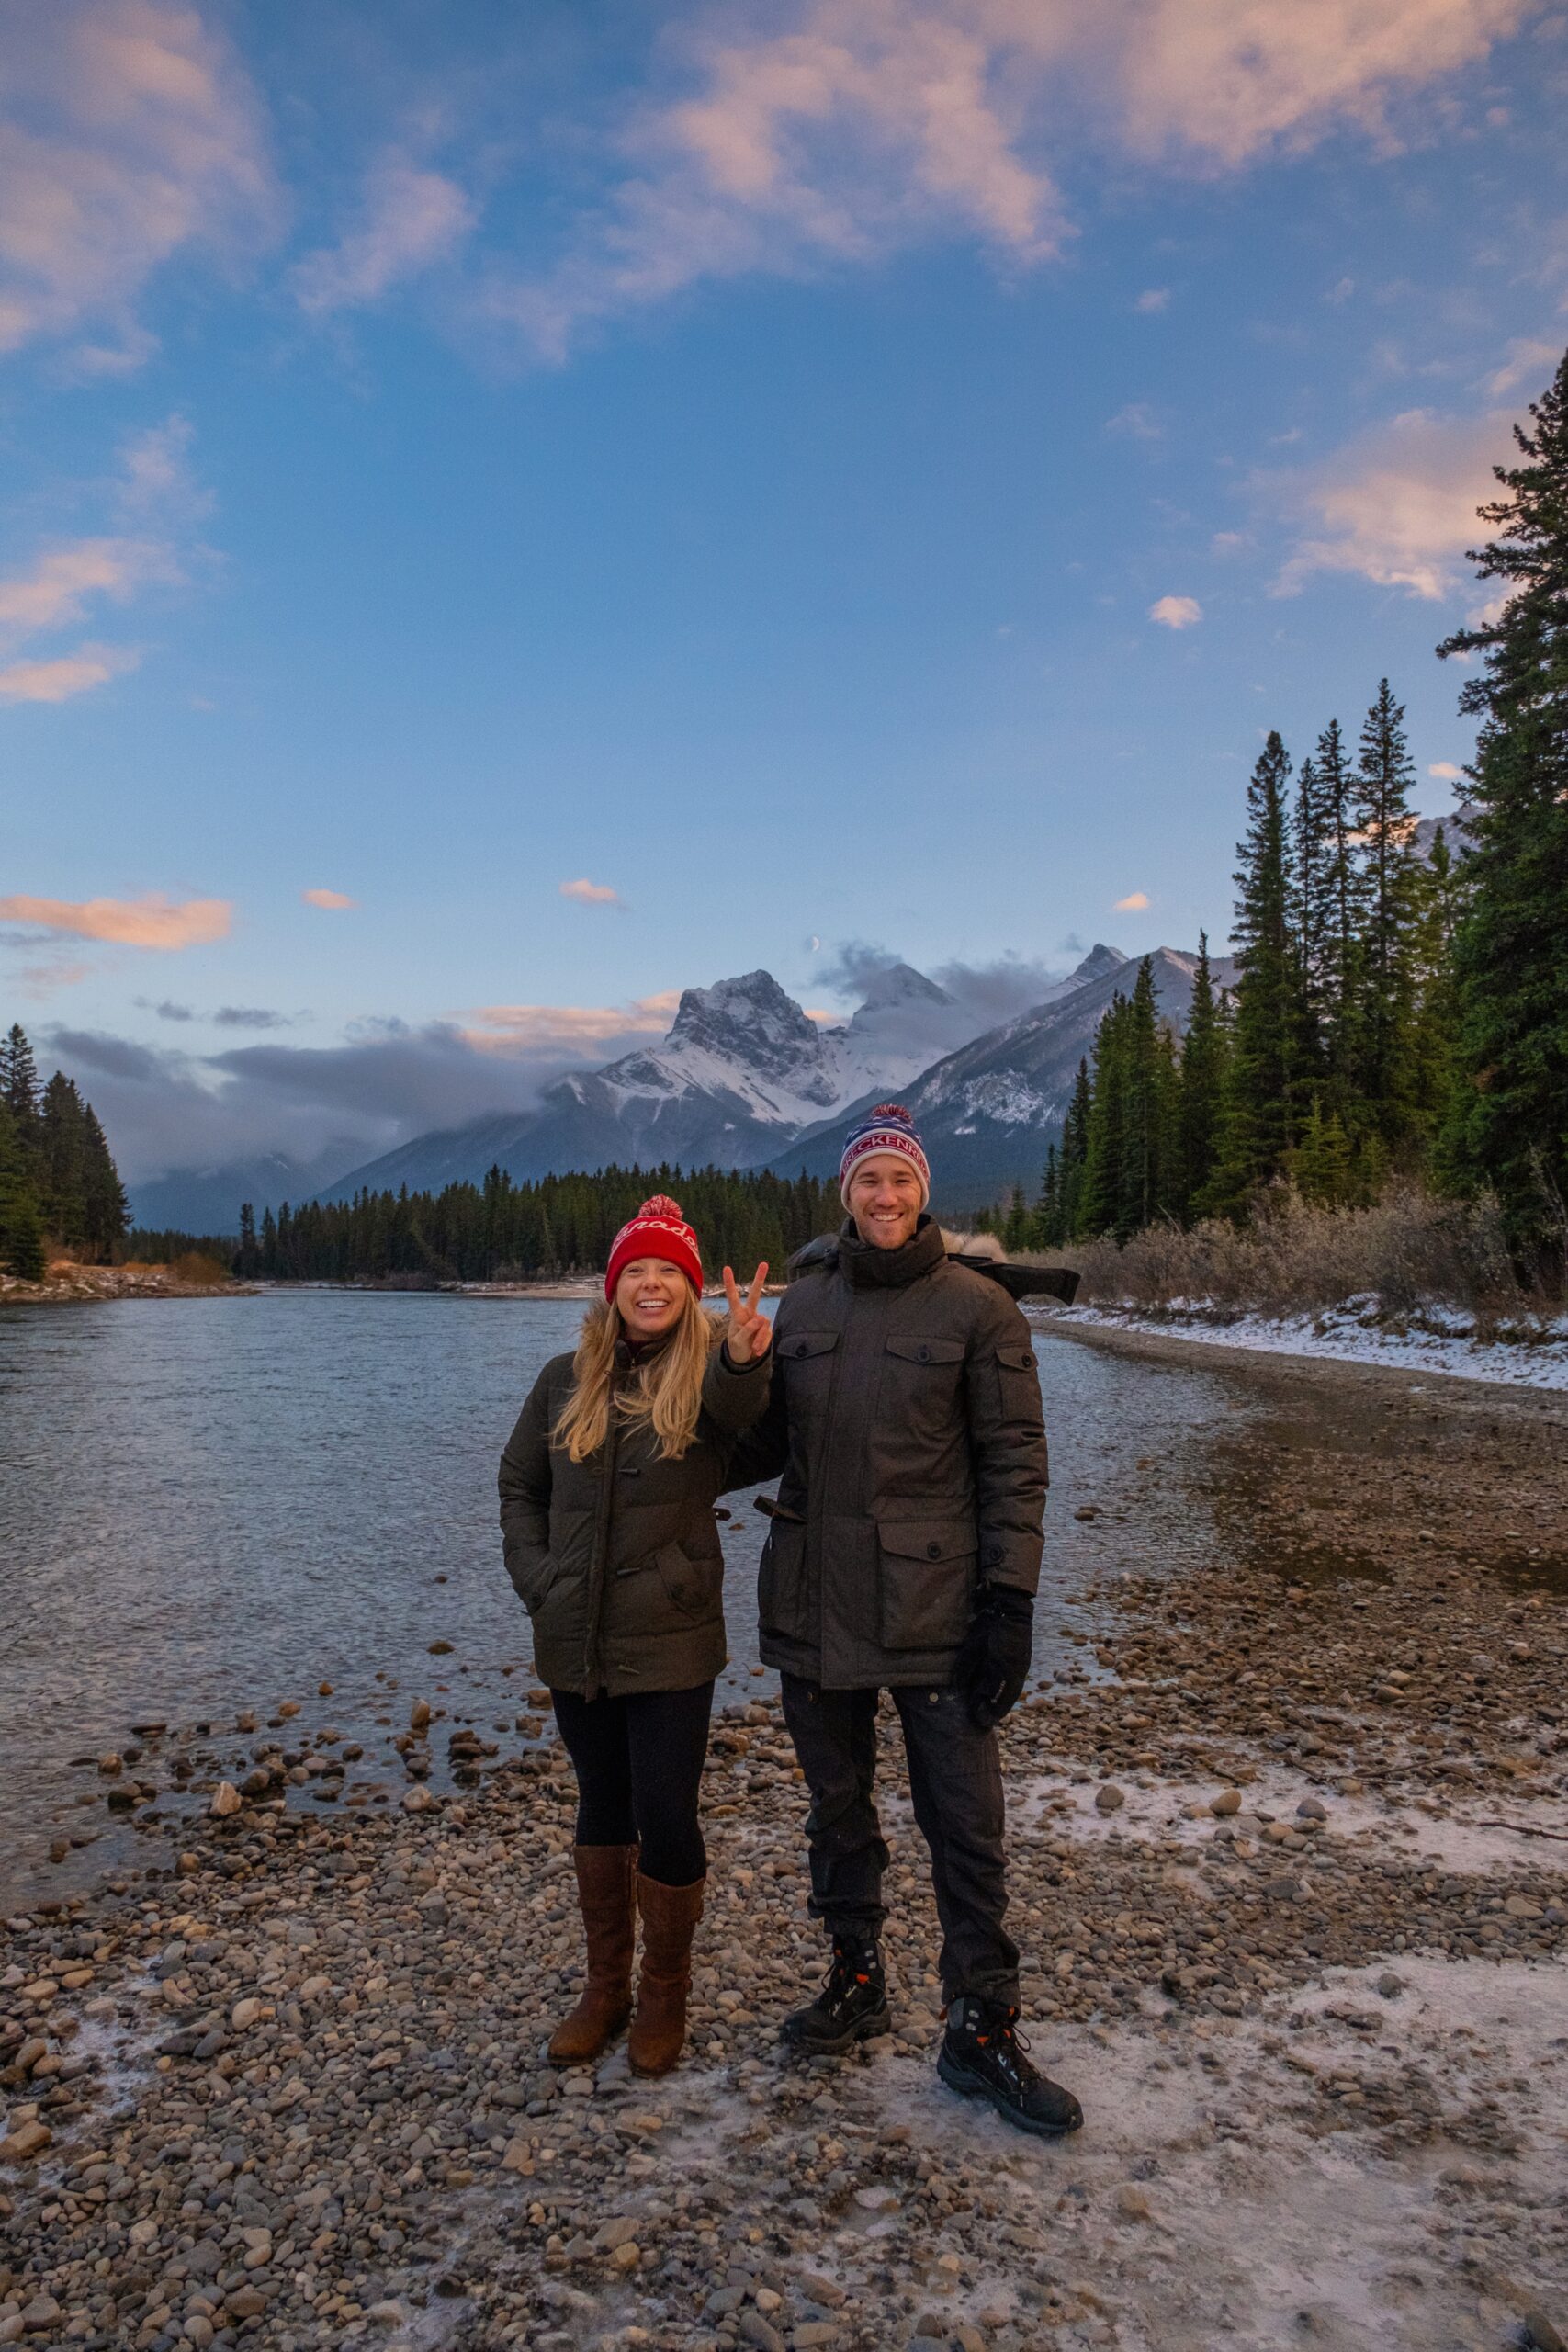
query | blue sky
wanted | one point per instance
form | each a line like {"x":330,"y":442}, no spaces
{"x":850,"y":471}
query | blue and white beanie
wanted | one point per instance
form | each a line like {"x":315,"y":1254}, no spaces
{"x":885,"y":1128}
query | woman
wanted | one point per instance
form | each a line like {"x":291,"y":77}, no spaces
{"x":607,"y":1488}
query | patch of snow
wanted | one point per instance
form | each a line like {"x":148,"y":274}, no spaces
{"x":1463,"y":1837}
{"x":1443,"y":1341}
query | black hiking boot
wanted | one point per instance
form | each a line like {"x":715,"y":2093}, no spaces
{"x":851,"y":2008}
{"x":983,"y":2055}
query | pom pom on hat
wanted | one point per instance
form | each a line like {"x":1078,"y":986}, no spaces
{"x":658,"y":1230}
{"x":888,"y":1126}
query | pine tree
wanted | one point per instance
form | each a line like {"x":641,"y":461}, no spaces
{"x":1148,"y":1175}
{"x":62,"y":1163}
{"x":106,"y":1211}
{"x":1100,"y":1200}
{"x":1438,"y":890}
{"x":1320,"y":1164}
{"x":1074,"y":1153}
{"x":1201,"y":1092}
{"x":1336,"y":919}
{"x":18,"y":1081}
{"x":1263,"y":1108}
{"x":1386,"y":826}
{"x":1508,"y":1127}
{"x":1308,"y":909}
{"x":1016,"y":1227}
{"x":21,"y":1225}
{"x":1043,"y":1226}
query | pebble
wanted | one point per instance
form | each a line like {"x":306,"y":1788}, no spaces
{"x":226,"y":1800}
{"x":1109,"y":1798}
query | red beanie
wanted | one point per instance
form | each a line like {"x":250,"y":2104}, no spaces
{"x":658,"y":1230}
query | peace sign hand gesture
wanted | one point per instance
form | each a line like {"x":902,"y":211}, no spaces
{"x":749,"y":1334}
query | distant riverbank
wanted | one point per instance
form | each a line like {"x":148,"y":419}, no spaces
{"x":65,"y":1281}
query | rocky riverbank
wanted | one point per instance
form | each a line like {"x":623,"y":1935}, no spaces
{"x":65,"y":1281}
{"x":1290,"y":1870}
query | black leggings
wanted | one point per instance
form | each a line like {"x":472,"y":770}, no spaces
{"x":639,"y":1768}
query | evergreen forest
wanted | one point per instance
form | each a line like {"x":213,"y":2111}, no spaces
{"x":1400,"y":1009}
{"x":506,"y":1232}
{"x":58,"y":1185}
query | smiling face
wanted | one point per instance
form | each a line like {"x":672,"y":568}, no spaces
{"x":885,"y":1199}
{"x":650,"y":1295}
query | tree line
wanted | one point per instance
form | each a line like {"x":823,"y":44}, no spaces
{"x":503,"y":1231}
{"x":59,"y":1184}
{"x":1395,"y":1012}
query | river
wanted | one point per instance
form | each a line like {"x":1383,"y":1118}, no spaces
{"x":209,"y":1506}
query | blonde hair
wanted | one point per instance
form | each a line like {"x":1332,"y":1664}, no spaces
{"x":666,"y":1393}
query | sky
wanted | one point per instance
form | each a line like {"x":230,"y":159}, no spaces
{"x":506,"y":513}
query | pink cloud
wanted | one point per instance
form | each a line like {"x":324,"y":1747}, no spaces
{"x":833,"y":131}
{"x":524,"y":1029}
{"x":66,"y":674}
{"x":128,"y":131}
{"x":410,"y":219}
{"x":333,"y":900}
{"x":150,"y":921}
{"x":1133,"y":904}
{"x":1397,"y":506}
{"x":1176,"y":612}
{"x":56,"y":587}
{"x":591,"y":894}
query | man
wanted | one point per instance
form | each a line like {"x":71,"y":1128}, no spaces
{"x":903,"y":1555}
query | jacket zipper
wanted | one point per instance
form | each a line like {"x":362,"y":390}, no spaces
{"x":594,"y":1638}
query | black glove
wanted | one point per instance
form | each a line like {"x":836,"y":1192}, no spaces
{"x":996,"y":1654}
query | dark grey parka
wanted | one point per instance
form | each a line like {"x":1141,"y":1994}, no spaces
{"x":617,"y":1559}
{"x":906,"y":1423}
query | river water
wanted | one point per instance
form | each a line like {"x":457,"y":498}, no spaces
{"x":214,"y":1505}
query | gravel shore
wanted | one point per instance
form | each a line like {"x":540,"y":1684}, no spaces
{"x":1290,"y":1872}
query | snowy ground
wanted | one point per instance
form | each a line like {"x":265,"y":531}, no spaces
{"x":1439,"y":1340}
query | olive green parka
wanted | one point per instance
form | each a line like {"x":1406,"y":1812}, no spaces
{"x":617,"y":1559}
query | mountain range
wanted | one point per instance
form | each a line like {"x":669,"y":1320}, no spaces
{"x":742,"y":1071}
{"x":745,"y":1079}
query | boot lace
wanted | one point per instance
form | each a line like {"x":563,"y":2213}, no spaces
{"x":1009,"y":2049}
{"x":850,"y":1970}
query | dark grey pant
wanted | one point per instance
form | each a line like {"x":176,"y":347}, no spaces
{"x":955,"y":1780}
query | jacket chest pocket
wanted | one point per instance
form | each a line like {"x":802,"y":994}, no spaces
{"x":805,"y":1360}
{"x":927,"y":1577}
{"x":922,"y":1385}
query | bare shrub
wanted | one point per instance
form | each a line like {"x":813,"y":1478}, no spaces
{"x":201,"y":1272}
{"x":1407,"y":1253}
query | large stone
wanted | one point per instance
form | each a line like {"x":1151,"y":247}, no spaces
{"x":29,"y":2139}
{"x":226,"y":1798}
{"x":1109,"y":1798}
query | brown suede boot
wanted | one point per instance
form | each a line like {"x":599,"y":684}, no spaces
{"x":670,"y":1915}
{"x":606,"y":1879}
